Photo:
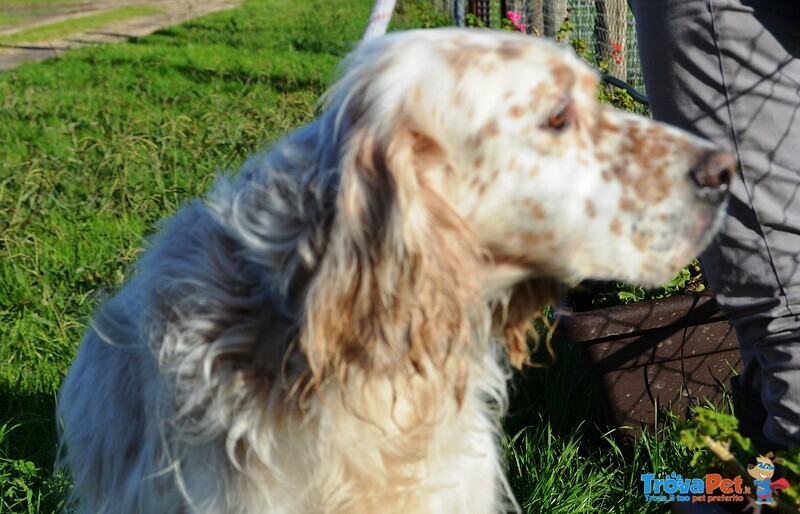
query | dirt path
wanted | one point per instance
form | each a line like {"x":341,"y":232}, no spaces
{"x":173,"y":12}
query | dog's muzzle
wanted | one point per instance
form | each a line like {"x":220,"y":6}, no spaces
{"x":712,"y":174}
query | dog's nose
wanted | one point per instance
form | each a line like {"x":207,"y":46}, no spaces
{"x":712,"y":173}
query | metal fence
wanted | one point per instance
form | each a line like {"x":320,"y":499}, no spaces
{"x":604,"y":28}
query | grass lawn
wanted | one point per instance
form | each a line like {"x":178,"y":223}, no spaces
{"x":76,"y":25}
{"x":18,"y":3}
{"x":102,"y":143}
{"x":12,"y":18}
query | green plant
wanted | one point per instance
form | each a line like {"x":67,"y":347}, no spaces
{"x":418,"y":14}
{"x":713,"y":438}
{"x":560,"y":457}
{"x":689,"y":280}
{"x":619,"y":98}
{"x":607,"y":94}
{"x":25,"y":485}
{"x":470,"y":20}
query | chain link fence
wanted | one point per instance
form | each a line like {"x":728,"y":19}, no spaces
{"x":603,"y":29}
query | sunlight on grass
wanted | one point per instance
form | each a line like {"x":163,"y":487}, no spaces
{"x":76,"y":25}
{"x":98,"y":146}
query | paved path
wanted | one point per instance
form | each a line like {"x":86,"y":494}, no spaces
{"x":173,"y":12}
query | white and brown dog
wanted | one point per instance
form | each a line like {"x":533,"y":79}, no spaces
{"x":331,"y":331}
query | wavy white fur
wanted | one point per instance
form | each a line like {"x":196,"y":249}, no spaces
{"x":331,"y":331}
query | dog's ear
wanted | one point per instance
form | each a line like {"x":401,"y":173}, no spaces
{"x":393,"y":291}
{"x":517,"y":315}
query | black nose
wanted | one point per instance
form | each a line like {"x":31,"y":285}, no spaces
{"x":712,"y":173}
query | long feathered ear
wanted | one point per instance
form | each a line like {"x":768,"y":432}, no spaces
{"x":393,"y":291}
{"x":516,"y":316}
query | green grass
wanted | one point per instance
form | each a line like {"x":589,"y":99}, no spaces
{"x":12,"y":18}
{"x":102,"y":143}
{"x":563,"y":460}
{"x":23,"y":3}
{"x":77,"y":25}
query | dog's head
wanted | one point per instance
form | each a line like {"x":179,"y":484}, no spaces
{"x":507,"y":131}
{"x":474,"y":161}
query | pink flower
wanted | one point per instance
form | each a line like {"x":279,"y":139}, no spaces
{"x":516,"y":20}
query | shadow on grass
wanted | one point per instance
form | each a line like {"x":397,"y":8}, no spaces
{"x":28,"y":443}
{"x":30,"y":419}
{"x":280,"y":82}
{"x":556,"y":432}
{"x":560,"y":393}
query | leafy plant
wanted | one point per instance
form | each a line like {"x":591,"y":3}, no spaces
{"x":619,"y":98}
{"x":470,"y":20}
{"x":419,"y":14}
{"x":689,"y":280}
{"x":25,"y":486}
{"x":565,"y":29}
{"x":715,"y":442}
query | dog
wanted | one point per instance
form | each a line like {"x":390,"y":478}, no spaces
{"x":332,"y":330}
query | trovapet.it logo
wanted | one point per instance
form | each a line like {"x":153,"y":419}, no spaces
{"x":762,"y":472}
{"x":709,"y":489}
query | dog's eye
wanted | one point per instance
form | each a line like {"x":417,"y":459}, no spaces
{"x":561,"y":117}
{"x":557,"y":121}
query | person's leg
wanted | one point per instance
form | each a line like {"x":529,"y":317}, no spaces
{"x":729,"y":70}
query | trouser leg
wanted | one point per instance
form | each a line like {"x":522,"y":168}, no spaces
{"x":729,"y":70}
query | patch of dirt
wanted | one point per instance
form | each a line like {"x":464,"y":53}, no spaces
{"x":173,"y":13}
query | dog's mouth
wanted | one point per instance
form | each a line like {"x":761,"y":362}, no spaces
{"x":505,"y":269}
{"x":705,"y":227}
{"x":501,"y":275}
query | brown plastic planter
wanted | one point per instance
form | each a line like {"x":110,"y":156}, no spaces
{"x":656,"y":354}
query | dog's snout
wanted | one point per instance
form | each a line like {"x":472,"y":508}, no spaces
{"x":712,"y":173}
